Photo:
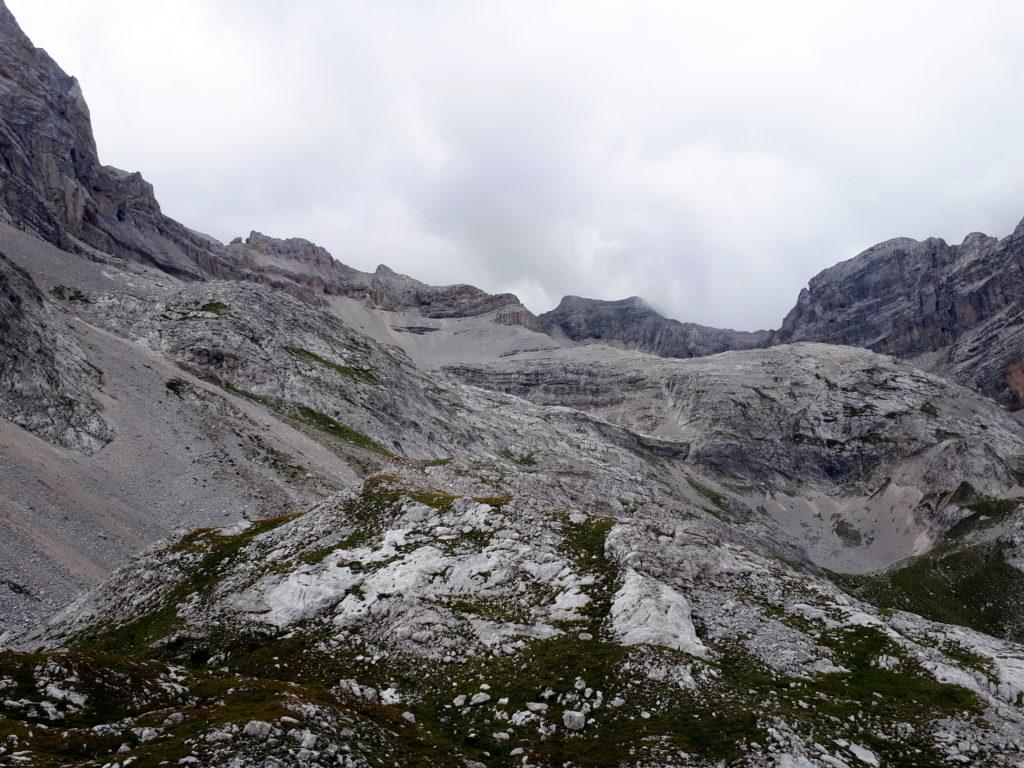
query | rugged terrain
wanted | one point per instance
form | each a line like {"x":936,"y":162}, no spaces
{"x":262,"y":508}
{"x":633,"y":324}
{"x":955,"y":310}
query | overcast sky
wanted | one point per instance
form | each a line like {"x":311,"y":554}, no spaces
{"x":710,"y":157}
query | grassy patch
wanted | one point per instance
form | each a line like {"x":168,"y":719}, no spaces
{"x":329,"y":426}
{"x":218,"y":308}
{"x":357,"y":374}
{"x":849,"y":535}
{"x":965,"y":657}
{"x":525,"y":459}
{"x":974,"y":587}
{"x":423,"y":464}
{"x":371,"y":512}
{"x":440,"y":500}
{"x":209,"y":555}
{"x":583,"y":544}
{"x":985,"y":513}
{"x":312,"y":418}
{"x":75,"y":295}
{"x":491,"y":608}
{"x":178,"y":386}
{"x":377,"y":506}
{"x":721,"y":504}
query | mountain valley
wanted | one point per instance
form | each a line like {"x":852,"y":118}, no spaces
{"x":260,"y":508}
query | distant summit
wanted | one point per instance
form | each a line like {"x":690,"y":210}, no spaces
{"x":634,"y":324}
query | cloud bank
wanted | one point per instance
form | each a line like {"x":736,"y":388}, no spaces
{"x":710,"y":157}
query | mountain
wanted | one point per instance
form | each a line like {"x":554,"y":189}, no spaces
{"x":260,"y":508}
{"x":55,"y":186}
{"x":949,"y":309}
{"x":634,"y":324}
{"x":953,"y":309}
{"x":53,"y":182}
{"x":44,"y":377}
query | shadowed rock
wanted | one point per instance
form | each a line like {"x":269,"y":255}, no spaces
{"x":634,"y":324}
{"x":45,"y":382}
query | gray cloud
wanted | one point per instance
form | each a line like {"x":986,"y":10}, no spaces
{"x":710,"y":157}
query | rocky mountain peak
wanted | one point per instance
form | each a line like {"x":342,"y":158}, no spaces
{"x":53,"y":184}
{"x":633,"y":323}
{"x":955,"y":309}
{"x":296,"y":248}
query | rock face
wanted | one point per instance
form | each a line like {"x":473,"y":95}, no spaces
{"x":633,"y":324}
{"x":46,"y":139}
{"x":951,"y":309}
{"x":805,"y":413}
{"x":46,"y":385}
{"x":53,"y":182}
{"x":301,"y":262}
{"x":269,"y":347}
{"x":954,"y":309}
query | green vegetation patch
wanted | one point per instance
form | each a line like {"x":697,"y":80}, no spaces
{"x":218,"y":308}
{"x":860,"y":704}
{"x":720,"y":504}
{"x":329,"y":426}
{"x":583,"y":544}
{"x":312,"y":418}
{"x":501,"y":609}
{"x":849,"y":535}
{"x":208,"y":555}
{"x":352,"y":372}
{"x":424,"y":463}
{"x":974,"y":587}
{"x":378,"y":504}
{"x":985,"y":513}
{"x":966,"y":657}
{"x":114,"y":686}
{"x":178,"y":386}
{"x":75,"y":295}
{"x":525,"y":459}
{"x":275,"y":676}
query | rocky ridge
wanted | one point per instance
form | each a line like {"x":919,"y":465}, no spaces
{"x":949,"y":309}
{"x":953,"y":309}
{"x":305,"y":263}
{"x":636,"y":325}
{"x":54,"y":185}
{"x":46,"y":383}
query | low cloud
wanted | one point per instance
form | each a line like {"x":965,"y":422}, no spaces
{"x":710,"y":157}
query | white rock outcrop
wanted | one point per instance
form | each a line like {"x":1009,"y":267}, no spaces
{"x":646,"y":611}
